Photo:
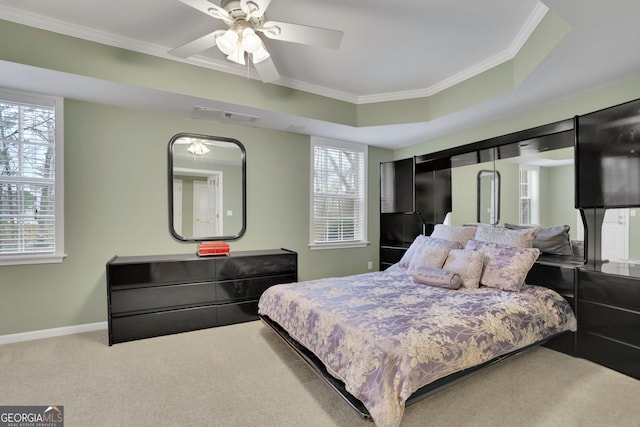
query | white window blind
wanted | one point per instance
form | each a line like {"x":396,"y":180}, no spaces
{"x":338,"y":206}
{"x":529,"y":210}
{"x":30,"y":214}
{"x":387,"y":193}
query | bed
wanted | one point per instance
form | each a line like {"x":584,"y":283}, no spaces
{"x":385,"y":339}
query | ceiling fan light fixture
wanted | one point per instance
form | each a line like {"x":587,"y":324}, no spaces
{"x":237,"y":55}
{"x":228,"y":42}
{"x":259,"y":55}
{"x":245,"y":18}
{"x":197,"y":148}
{"x":250,"y":40}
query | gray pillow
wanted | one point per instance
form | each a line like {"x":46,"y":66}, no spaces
{"x":550,"y":240}
{"x":578,"y":248}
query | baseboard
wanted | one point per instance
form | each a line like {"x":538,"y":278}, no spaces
{"x":49,"y":333}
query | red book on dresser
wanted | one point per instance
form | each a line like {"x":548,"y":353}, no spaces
{"x":213,"y":248}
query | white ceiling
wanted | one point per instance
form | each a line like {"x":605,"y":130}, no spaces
{"x":391,"y":50}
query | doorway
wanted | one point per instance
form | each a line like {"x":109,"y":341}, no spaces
{"x":177,"y":206}
{"x":615,"y":234}
{"x":207,"y":205}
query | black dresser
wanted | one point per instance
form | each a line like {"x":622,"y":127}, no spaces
{"x":609,"y":321}
{"x":159,"y":295}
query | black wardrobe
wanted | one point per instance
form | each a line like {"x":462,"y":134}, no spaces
{"x":416,"y":194}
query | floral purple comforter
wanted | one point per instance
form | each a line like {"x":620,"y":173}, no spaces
{"x":385,"y":336}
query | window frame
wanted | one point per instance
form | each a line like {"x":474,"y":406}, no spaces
{"x":533,"y":193}
{"x":362,"y":241}
{"x":58,"y":254}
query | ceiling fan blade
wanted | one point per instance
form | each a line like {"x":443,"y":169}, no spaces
{"x":209,"y":8}
{"x":267,"y":70}
{"x":303,"y":34}
{"x":196,"y":46}
{"x":254,"y":7}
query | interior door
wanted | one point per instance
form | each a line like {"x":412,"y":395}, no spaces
{"x":615,"y":232}
{"x":177,"y":205}
{"x":207,"y":220}
{"x":203,"y":224}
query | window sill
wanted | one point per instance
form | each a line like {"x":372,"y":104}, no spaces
{"x":31,"y":259}
{"x":345,"y":245}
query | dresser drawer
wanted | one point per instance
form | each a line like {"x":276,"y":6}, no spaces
{"x":241,"y":267}
{"x":615,"y":355}
{"x":610,"y":289}
{"x":139,"y":326}
{"x":245,"y":289}
{"x":151,"y":273}
{"x":619,"y":324}
{"x":161,"y":297}
{"x":229,"y":314}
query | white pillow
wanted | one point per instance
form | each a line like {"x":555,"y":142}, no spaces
{"x":468,"y":264}
{"x":456,"y":233}
{"x":405,"y":261}
{"x":429,"y":256}
{"x":421,"y":241}
{"x":505,"y":236}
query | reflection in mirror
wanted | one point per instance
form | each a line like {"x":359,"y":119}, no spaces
{"x":207,"y":198}
{"x":535,"y":188}
{"x":620,"y":247}
{"x":615,"y":232}
{"x":538,"y":188}
{"x":488,"y":195}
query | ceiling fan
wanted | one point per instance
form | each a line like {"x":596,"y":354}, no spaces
{"x":240,"y":41}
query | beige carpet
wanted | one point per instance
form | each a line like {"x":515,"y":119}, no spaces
{"x":243,"y":375}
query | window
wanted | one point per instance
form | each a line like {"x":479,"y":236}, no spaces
{"x":31,"y":177}
{"x":529,"y":210}
{"x":338,"y":202}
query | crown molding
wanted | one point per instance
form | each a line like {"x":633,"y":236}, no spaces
{"x":532,"y":22}
{"x":62,"y":27}
{"x":86,"y":33}
{"x":90,"y":34}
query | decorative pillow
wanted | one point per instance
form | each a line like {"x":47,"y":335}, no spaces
{"x":577,"y":246}
{"x":456,"y":233}
{"x":436,"y":277}
{"x":550,"y":240}
{"x":419,"y":242}
{"x":505,"y":267}
{"x":430,"y":256}
{"x":441,"y":243}
{"x":408,"y":255}
{"x":504,"y":236}
{"x":468,"y":264}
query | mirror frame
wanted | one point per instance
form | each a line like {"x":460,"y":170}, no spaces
{"x":243,"y":154}
{"x":495,"y":207}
